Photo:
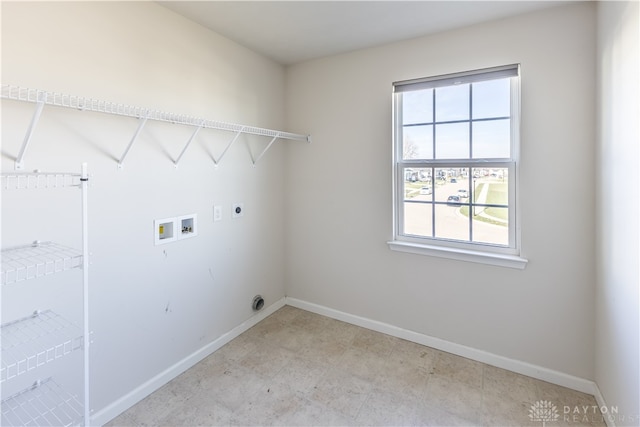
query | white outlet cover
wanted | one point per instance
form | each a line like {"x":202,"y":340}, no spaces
{"x":237,"y":210}
{"x":217,"y":213}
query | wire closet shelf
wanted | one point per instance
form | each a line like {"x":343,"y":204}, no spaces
{"x":35,"y":341}
{"x":42,"y":98}
{"x":44,"y":404}
{"x":36,"y":260}
{"x":29,"y":343}
{"x":31,"y":181}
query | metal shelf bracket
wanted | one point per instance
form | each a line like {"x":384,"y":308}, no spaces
{"x":32,"y":126}
{"x":264,"y":151}
{"x":234,"y":139}
{"x":143,"y":121}
{"x":193,"y":135}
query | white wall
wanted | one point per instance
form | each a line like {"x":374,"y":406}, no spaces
{"x":339,"y":203}
{"x":151,"y":306}
{"x":618,"y":316}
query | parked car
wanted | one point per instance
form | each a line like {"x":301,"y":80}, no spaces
{"x":463,"y":193}
{"x":453,"y":180}
{"x":453,"y":200}
{"x":425,"y":190}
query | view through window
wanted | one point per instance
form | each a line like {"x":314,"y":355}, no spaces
{"x":455,"y":159}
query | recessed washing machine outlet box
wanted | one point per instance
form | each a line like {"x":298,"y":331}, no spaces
{"x":237,"y":210}
{"x":187,"y":226}
{"x":165,"y":230}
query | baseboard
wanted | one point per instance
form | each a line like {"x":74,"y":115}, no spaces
{"x":114,"y":409}
{"x":111,"y":411}
{"x":602,"y":403}
{"x":520,"y":367}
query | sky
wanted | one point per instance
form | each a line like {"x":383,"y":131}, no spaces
{"x":490,"y":103}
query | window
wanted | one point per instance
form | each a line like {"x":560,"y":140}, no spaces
{"x":455,"y":164}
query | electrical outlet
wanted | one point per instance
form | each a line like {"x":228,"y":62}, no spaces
{"x":217,"y":213}
{"x":237,"y":210}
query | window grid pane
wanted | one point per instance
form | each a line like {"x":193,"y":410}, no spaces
{"x":452,"y":103}
{"x":452,"y":140}
{"x":452,"y":127}
{"x":461,"y":204}
{"x":446,"y":195}
{"x":491,"y":139}
{"x":417,"y":142}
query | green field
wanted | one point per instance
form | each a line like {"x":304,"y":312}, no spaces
{"x":498,"y":194}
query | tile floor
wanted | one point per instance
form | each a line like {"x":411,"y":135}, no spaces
{"x":296,"y":368}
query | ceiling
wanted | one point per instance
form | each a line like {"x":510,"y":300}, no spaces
{"x":294,"y":31}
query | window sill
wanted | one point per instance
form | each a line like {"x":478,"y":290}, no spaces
{"x":501,"y":260}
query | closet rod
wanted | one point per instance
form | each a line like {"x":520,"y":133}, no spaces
{"x":87,"y":104}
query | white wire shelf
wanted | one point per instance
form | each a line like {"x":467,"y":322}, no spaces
{"x":44,"y":404}
{"x":33,"y":341}
{"x":26,"y":181}
{"x":37,"y":260}
{"x":19,"y":93}
{"x":42,"y":98}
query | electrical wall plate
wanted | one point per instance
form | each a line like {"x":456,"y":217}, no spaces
{"x":165,"y":230}
{"x":217,"y":213}
{"x":187,"y":226}
{"x":237,"y":210}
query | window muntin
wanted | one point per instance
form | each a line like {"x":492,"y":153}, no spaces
{"x":457,"y":136}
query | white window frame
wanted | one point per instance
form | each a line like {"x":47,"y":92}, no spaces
{"x":506,"y":256}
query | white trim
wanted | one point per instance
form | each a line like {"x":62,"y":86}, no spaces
{"x":501,"y":260}
{"x":602,"y":403}
{"x":517,"y":366}
{"x":125,"y":402}
{"x":465,"y":250}
{"x":117,"y":407}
